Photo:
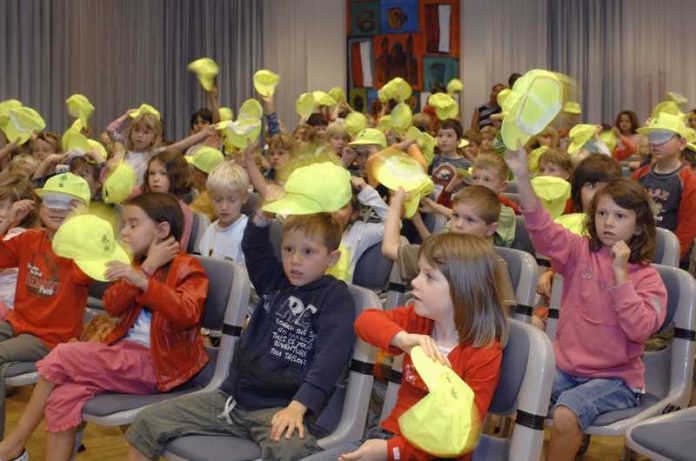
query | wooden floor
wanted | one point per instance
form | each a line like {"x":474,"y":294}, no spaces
{"x":108,"y":443}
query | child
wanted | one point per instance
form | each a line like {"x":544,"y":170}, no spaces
{"x":337,"y":138}
{"x":168,"y":173}
{"x":487,"y":139}
{"x":444,"y":319}
{"x":555,"y":162}
{"x":143,"y":135}
{"x":281,"y":148}
{"x":10,"y":193}
{"x":610,"y":293}
{"x":446,"y":163}
{"x":44,"y":145}
{"x":201,"y":164}
{"x":471,"y":150}
{"x":491,"y":171}
{"x":367,"y":142}
{"x":624,"y":128}
{"x":227,"y":186}
{"x":156,"y":346}
{"x":288,"y":359}
{"x":669,"y":181}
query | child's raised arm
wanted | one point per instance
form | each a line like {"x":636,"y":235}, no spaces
{"x":392,"y":226}
{"x":517,"y":161}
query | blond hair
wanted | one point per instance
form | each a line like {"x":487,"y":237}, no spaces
{"x":228,"y":176}
{"x":336,"y":129}
{"x":151,"y":122}
{"x":469,"y":265}
{"x":485,"y":161}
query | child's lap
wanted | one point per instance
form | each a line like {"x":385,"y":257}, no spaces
{"x":588,"y":398}
{"x":20,"y":348}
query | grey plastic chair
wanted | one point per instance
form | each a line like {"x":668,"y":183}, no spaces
{"x":524,"y":389}
{"x":523,"y":271}
{"x":670,"y":437}
{"x":372,"y":269}
{"x":667,"y":248}
{"x":397,"y":288}
{"x":225,"y":309}
{"x":352,"y":419}
{"x":253,"y":202}
{"x":522,"y":240}
{"x":668,"y":372}
{"x":198,"y":227}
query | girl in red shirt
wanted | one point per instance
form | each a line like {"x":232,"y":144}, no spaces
{"x":456,"y":317}
{"x":156,"y":345}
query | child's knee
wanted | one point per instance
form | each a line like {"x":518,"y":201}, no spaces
{"x":565,"y":421}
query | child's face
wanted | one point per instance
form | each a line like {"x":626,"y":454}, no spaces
{"x":279,"y":158}
{"x":337,"y":143}
{"x":157,"y":179}
{"x":344,"y":215}
{"x":488,"y":177}
{"x":199,"y":124}
{"x":431,"y":292}
{"x":665,"y":149}
{"x":466,"y":219}
{"x":138,"y":230}
{"x":447,"y":140}
{"x":551,"y":169}
{"x":86,"y":173}
{"x":142,"y":137}
{"x":588,"y":191}
{"x":305,"y":257}
{"x":472,"y":149}
{"x":691,"y":120}
{"x":227,"y":205}
{"x":487,"y":143}
{"x":545,"y":139}
{"x":625,"y":123}
{"x":52,"y":218}
{"x":41,"y":149}
{"x":614,"y":223}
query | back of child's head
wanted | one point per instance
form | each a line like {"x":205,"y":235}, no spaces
{"x":151,"y":122}
{"x":317,"y":120}
{"x":79,"y":164}
{"x":483,"y":199}
{"x":635,"y":124}
{"x":337,"y":130}
{"x":423,"y":121}
{"x":178,"y":173}
{"x":321,"y":226}
{"x":592,"y":170}
{"x":472,"y":136}
{"x":557,"y":157}
{"x":204,"y":114}
{"x":452,"y":124}
{"x":469,"y":265}
{"x":15,"y":189}
{"x":488,"y":132}
{"x":630,"y":195}
{"x":492,"y":162}
{"x":161,"y":208}
{"x":227,"y":177}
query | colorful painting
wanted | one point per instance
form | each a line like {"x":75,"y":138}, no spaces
{"x":417,"y":40}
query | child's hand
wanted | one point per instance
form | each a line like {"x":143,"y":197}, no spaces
{"x":96,"y":156}
{"x":404,"y":145}
{"x":116,"y":270}
{"x":427,"y":206}
{"x":399,"y":197}
{"x":358,"y":183}
{"x":54,"y":159}
{"x":407,"y":341}
{"x":371,"y":450}
{"x":160,"y":253}
{"x":19,"y":210}
{"x":621,"y":253}
{"x":287,"y":420}
{"x":544,"y":284}
{"x":268,"y":103}
{"x":517,"y":161}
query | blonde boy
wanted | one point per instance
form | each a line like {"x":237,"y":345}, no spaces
{"x":227,"y":186}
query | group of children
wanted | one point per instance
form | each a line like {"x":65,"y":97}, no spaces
{"x":318,"y":181}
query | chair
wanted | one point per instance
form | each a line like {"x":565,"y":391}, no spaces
{"x":667,"y":248}
{"x":253,"y":202}
{"x":511,"y":187}
{"x":522,"y":240}
{"x":225,"y":309}
{"x":523,"y":271}
{"x":372,"y":269}
{"x":397,"y":288}
{"x":670,"y":437}
{"x":352,"y":419}
{"x":668,"y":372}
{"x":525,"y":389}
{"x":200,"y":223}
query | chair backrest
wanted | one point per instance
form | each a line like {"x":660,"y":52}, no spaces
{"x":252,"y":203}
{"x":667,"y":248}
{"x":522,"y":240}
{"x":397,"y":288}
{"x":514,"y":196}
{"x":372,"y":269}
{"x":526,"y":379}
{"x":276,"y":236}
{"x":357,"y":396}
{"x":225,"y":308}
{"x":198,"y":226}
{"x":523,"y":271}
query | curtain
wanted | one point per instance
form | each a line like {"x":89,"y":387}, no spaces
{"x":121,"y":53}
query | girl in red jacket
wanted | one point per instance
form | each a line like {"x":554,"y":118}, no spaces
{"x":456,"y":317}
{"x":156,"y":345}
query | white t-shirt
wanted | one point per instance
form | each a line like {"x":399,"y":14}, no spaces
{"x":224,"y":242}
{"x":140,"y":331}
{"x":138,"y":161}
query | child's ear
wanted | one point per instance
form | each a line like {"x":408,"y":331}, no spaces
{"x":163,"y":230}
{"x":334,"y":256}
{"x":491,"y":228}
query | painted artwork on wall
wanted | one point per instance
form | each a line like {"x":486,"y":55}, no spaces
{"x":417,"y":40}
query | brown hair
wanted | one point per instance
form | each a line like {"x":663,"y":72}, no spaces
{"x":78,"y":162}
{"x":150,"y":121}
{"x":629,"y":195}
{"x":469,"y":265}
{"x":486,"y":202}
{"x":161,"y":208}
{"x":551,"y":131}
{"x":321,"y":225}
{"x":492,"y":161}
{"x":451,"y":124}
{"x":177,"y":171}
{"x":593,"y":169}
{"x":15,"y":189}
{"x":473,"y":136}
{"x":557,"y":157}
{"x":635,"y":124}
{"x":281,"y":142}
{"x":50,"y":138}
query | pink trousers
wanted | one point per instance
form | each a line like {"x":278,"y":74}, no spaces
{"x":81,"y":370}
